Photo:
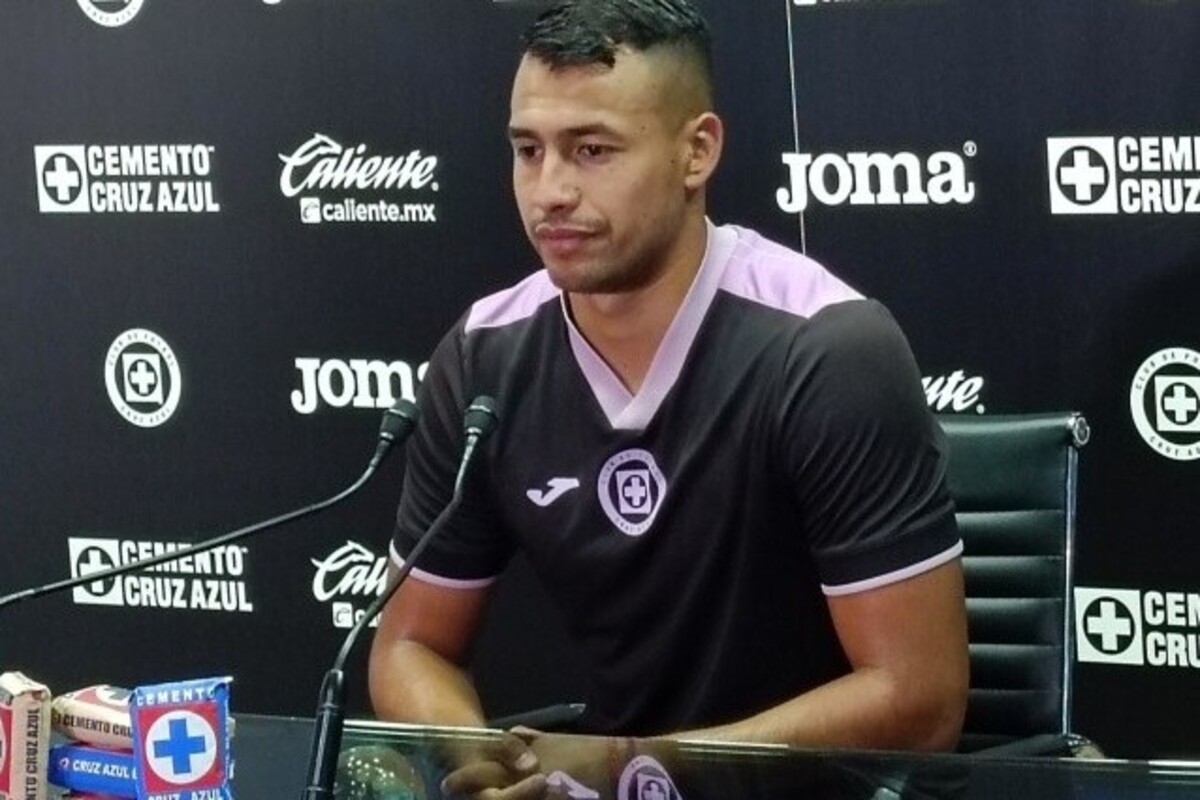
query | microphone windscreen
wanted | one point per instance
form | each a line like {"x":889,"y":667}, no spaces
{"x":399,"y":420}
{"x":480,"y":417}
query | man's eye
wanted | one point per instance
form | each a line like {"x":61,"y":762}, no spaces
{"x":526,"y":152}
{"x":593,"y":151}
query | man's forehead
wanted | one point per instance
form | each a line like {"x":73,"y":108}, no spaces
{"x":634,"y":84}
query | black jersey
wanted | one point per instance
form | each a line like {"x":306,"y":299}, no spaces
{"x":780,"y":448}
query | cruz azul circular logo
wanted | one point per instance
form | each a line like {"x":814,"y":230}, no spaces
{"x":631,"y":489}
{"x":181,"y":748}
{"x":111,"y":13}
{"x":1165,"y":403}
{"x":143,"y":379}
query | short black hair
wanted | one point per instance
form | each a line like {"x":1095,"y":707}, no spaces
{"x":582,"y":32}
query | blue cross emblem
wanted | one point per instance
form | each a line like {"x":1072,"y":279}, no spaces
{"x":179,"y":747}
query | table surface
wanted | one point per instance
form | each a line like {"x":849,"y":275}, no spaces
{"x":272,"y":754}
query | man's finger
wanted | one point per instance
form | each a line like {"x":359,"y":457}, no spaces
{"x":517,"y":754}
{"x":476,"y":776}
{"x":532,"y":788}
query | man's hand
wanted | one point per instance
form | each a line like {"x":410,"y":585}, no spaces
{"x":502,"y":769}
{"x":525,"y":764}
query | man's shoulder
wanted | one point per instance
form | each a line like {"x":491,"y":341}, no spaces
{"x":511,"y":305}
{"x":771,"y":274}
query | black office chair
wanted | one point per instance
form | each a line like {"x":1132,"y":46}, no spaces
{"x":1014,"y":481}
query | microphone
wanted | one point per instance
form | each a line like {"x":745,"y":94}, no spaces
{"x":398,"y":423}
{"x":479,"y":420}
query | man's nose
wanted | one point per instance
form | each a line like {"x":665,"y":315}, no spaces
{"x":557,"y":186}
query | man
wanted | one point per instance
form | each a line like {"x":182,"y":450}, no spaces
{"x":716,"y":455}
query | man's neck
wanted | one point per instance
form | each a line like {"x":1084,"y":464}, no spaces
{"x":626,"y":329}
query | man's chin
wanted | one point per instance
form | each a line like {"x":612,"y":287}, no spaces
{"x":590,"y":278}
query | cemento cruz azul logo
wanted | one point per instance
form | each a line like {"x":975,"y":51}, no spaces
{"x":1149,"y":628}
{"x":876,"y":179}
{"x":125,"y":179}
{"x":1124,"y":174}
{"x":210,"y":581}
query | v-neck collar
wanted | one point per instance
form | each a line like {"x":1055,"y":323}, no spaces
{"x":633,"y":412}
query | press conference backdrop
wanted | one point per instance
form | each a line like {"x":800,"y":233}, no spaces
{"x":231,"y":232}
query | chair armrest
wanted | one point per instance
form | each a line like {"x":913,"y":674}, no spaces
{"x":1062,"y":745}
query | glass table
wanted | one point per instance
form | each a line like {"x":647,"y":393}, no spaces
{"x":382,"y":761}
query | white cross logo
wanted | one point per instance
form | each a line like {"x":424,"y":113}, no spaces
{"x":635,"y":492}
{"x":63,"y":179}
{"x":95,"y":560}
{"x":1109,"y":626}
{"x":143,"y":378}
{"x":653,"y":790}
{"x":1082,"y":175}
{"x":1181,"y":403}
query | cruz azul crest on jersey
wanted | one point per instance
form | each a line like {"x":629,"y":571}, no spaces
{"x":631,"y":489}
{"x":645,"y":779}
{"x":181,"y":737}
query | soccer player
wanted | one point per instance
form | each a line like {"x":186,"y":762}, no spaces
{"x":715,"y":453}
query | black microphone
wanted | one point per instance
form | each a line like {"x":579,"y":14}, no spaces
{"x":479,"y":420}
{"x":398,"y":423}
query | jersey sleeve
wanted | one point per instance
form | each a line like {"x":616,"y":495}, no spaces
{"x":863,"y":451}
{"x":472,"y":549}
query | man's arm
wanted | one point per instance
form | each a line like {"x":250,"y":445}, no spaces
{"x":417,"y":665}
{"x":418,"y":674}
{"x":907,"y":646}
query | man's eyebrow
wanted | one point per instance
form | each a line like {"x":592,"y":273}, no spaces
{"x":516,"y":132}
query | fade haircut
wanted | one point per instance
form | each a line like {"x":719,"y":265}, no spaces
{"x":582,"y":32}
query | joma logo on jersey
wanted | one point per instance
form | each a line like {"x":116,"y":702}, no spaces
{"x":359,"y":382}
{"x":876,"y":179}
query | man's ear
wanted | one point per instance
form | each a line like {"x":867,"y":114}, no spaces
{"x":705,"y":136}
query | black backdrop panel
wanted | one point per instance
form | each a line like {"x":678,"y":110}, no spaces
{"x":319,"y":188}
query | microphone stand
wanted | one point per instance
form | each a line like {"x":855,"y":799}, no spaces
{"x":398,"y":424}
{"x":479,"y":420}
